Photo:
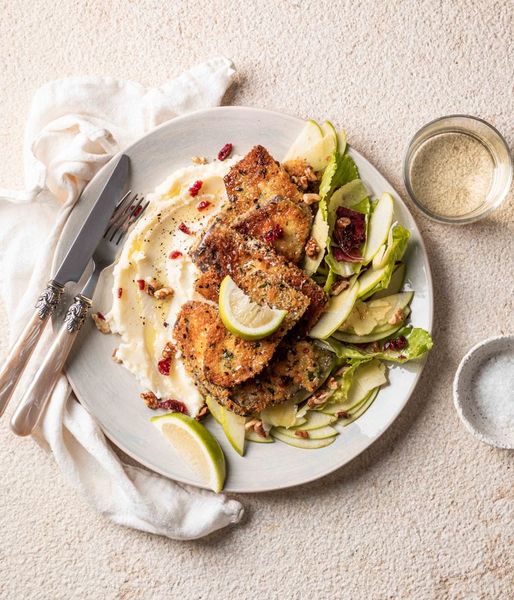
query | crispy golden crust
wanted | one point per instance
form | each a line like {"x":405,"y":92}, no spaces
{"x":296,"y":366}
{"x":228,"y":253}
{"x":230,"y":360}
{"x":208,"y":285}
{"x":255,"y":178}
{"x":284,"y":378}
{"x":295,"y":168}
{"x":191,"y":334}
{"x":281,"y":223}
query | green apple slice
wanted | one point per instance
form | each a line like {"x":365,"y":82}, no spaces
{"x":371,"y":316}
{"x":309,"y":137}
{"x":281,"y":415}
{"x":348,"y":195}
{"x":305,"y":444}
{"x":331,"y":137}
{"x":334,"y":409}
{"x":341,"y":141}
{"x":315,"y":420}
{"x":379,"y":226}
{"x":350,"y":338}
{"x":368,"y":376}
{"x":251,"y":436}
{"x":396,"y":283}
{"x":319,"y":233}
{"x":314,"y":434}
{"x":234,"y":428}
{"x":336,"y":313}
{"x":315,"y":144}
{"x":369,"y":279}
{"x":215,"y":409}
{"x":360,"y":410}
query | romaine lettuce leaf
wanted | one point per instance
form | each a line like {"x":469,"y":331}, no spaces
{"x":340,"y":170}
{"x":419,"y":342}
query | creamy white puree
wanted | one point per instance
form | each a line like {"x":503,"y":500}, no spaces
{"x":144,"y":323}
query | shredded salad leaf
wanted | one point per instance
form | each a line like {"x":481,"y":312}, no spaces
{"x":419,"y":342}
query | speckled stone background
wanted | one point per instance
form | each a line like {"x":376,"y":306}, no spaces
{"x":427,"y":511}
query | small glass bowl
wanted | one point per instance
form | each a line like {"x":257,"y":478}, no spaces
{"x":490,"y":138}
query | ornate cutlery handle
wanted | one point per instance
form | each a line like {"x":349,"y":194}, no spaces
{"x":20,"y":353}
{"x":37,"y":395}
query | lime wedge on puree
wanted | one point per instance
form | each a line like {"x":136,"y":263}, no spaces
{"x":197,"y":446}
{"x":245,"y":318}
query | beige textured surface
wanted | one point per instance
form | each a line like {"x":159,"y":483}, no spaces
{"x":427,"y":512}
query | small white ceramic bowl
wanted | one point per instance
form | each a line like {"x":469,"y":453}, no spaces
{"x":464,"y":391}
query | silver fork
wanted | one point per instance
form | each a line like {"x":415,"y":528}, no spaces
{"x":36,"y":397}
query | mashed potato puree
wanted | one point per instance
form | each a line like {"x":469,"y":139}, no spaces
{"x":144,"y":322}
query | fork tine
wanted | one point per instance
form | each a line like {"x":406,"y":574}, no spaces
{"x":129,"y":218}
{"x":119,"y":213}
{"x":130,"y":211}
{"x":134,"y":216}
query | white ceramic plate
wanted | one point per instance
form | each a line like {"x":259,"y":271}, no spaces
{"x":112,"y":394}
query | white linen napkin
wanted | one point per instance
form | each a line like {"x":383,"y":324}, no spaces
{"x":74,"y":127}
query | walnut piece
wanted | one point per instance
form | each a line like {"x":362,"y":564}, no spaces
{"x":311,"y":248}
{"x":151,"y":285}
{"x":332,"y":383}
{"x":162,"y":293}
{"x":398,"y":317}
{"x":302,"y":434}
{"x":259,"y":429}
{"x":319,"y":398}
{"x":339,"y":286}
{"x":310,"y":174}
{"x":169,"y":350}
{"x":101,"y":324}
{"x":311,"y":198}
{"x":343,"y":222}
{"x":150,"y":399}
{"x":203,"y":412}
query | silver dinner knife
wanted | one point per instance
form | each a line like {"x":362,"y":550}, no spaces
{"x":71,"y":269}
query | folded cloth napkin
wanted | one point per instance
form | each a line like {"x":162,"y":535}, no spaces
{"x":74,"y":127}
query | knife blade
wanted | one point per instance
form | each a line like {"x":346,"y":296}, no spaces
{"x":79,"y":254}
{"x":85,"y":240}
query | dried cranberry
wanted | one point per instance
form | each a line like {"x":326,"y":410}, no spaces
{"x":275,"y":233}
{"x":174,"y":406}
{"x":195,"y":188}
{"x":175,"y":254}
{"x":120,"y":292}
{"x":185,"y":229}
{"x":349,"y":234}
{"x":100,"y":316}
{"x":164,"y":366}
{"x":203,"y":205}
{"x":141,"y":284}
{"x":137,"y":211}
{"x":225,"y":151}
{"x":398,"y":343}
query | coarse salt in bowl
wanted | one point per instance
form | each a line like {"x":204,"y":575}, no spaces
{"x":483,"y":391}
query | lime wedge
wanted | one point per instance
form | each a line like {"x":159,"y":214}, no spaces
{"x":245,"y":318}
{"x":197,"y":446}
